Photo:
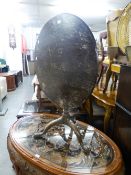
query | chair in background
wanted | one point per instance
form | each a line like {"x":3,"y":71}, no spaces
{"x":101,"y":54}
{"x":3,"y":66}
{"x":101,"y":104}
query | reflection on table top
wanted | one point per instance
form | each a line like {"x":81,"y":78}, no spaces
{"x":52,"y":153}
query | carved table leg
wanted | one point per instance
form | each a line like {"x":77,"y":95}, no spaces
{"x":65,"y":119}
{"x":107,"y":118}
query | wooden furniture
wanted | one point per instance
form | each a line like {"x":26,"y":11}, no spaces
{"x":118,"y":29}
{"x":10,"y":79}
{"x":106,"y":100}
{"x":122,"y":123}
{"x":101,"y":54}
{"x":13,"y":78}
{"x":18,"y":77}
{"x":115,"y":68}
{"x":50,"y":156}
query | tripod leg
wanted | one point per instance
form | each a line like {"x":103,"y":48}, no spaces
{"x":48,"y":126}
{"x":78,"y":134}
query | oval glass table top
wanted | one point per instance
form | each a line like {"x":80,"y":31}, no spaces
{"x":66,"y":60}
{"x":53,"y":155}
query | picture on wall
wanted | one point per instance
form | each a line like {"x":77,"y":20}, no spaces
{"x":12,"y":38}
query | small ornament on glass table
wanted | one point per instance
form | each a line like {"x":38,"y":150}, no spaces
{"x":12,"y":38}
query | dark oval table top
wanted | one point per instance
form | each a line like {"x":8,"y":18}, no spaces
{"x":66,"y":61}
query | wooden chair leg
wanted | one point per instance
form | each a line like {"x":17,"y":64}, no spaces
{"x":108,"y":76}
{"x":100,"y":76}
{"x":107,"y":118}
{"x":116,"y":79}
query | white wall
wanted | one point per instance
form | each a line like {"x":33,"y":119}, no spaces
{"x":13,"y":57}
{"x":3,"y":34}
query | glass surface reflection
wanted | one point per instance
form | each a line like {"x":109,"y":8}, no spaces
{"x":53,"y":147}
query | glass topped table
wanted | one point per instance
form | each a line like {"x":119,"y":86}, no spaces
{"x":52,"y":155}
